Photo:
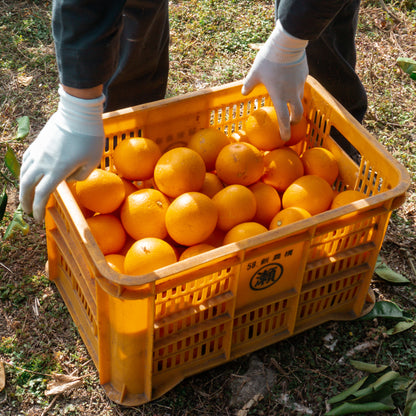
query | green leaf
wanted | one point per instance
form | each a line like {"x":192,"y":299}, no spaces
{"x":23,"y":127}
{"x":378,"y":390}
{"x":16,"y":224}
{"x":354,"y":408}
{"x":375,"y":395}
{"x":11,"y":162}
{"x":347,"y":393}
{"x":407,"y":65}
{"x":3,"y":203}
{"x":369,"y":368}
{"x":410,"y":409}
{"x":402,"y":383}
{"x":384,"y":309}
{"x":400,"y":327}
{"x":385,"y":378}
{"x":410,"y":406}
{"x":384,"y":272}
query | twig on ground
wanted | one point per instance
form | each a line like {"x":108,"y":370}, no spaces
{"x":46,"y":410}
{"x":4,"y":400}
{"x":3,"y":265}
{"x":81,"y":366}
{"x":389,"y":12}
{"x":26,"y":370}
{"x":394,"y":40}
{"x":409,"y":260}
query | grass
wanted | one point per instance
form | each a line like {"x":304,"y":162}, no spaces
{"x":210,"y":45}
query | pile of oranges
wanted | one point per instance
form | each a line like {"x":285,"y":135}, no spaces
{"x":156,"y":209}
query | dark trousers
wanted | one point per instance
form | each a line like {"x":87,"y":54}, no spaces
{"x":332,"y":59}
{"x":142,"y":71}
{"x":143,"y":66}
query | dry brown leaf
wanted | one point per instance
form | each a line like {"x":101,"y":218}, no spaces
{"x":2,"y":376}
{"x":23,"y":80}
{"x":255,"y":46}
{"x":62,"y":383}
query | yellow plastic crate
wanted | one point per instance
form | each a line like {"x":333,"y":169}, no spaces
{"x":147,"y":333}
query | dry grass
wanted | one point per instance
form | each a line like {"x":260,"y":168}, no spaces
{"x":209,"y":47}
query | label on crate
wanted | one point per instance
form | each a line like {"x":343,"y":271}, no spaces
{"x":270,"y":274}
{"x":266,"y":276}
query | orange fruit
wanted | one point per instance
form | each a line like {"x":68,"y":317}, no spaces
{"x":262,"y":129}
{"x":195,"y":250}
{"x":281,"y":167}
{"x":129,"y":187}
{"x":207,"y":143}
{"x":298,"y":132}
{"x":102,"y":191}
{"x":85,"y":211}
{"x":191,"y":218}
{"x":239,"y":163}
{"x":116,"y":262}
{"x":143,"y":214}
{"x":244,"y":230}
{"x":310,"y":192}
{"x":148,"y":254}
{"x":288,"y":216}
{"x":136,"y":157}
{"x":108,"y":232}
{"x":268,"y":202}
{"x":212,"y":184}
{"x":346,"y":197}
{"x":179,"y":170}
{"x":235,"y":204}
{"x":320,"y":161}
{"x":216,"y":238}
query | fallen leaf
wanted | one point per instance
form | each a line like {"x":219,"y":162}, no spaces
{"x":2,"y":376}
{"x":62,"y":383}
{"x":408,"y":65}
{"x":255,"y":46}
{"x":384,"y":272}
{"x":384,"y":309}
{"x":369,"y":368}
{"x":410,"y":406}
{"x":23,"y":80}
{"x":400,"y":327}
{"x":23,"y":127}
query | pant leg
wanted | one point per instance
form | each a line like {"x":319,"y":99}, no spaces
{"x":142,"y":71}
{"x":332,"y":59}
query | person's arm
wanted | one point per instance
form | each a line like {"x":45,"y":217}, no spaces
{"x":306,"y":19}
{"x":85,"y":93}
{"x":71,"y":144}
{"x":86,"y":37}
{"x":281,"y":63}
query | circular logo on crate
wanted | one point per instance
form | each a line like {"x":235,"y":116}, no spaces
{"x":266,"y":276}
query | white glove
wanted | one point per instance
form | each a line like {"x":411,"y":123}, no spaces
{"x":69,"y":146}
{"x":282,"y":67}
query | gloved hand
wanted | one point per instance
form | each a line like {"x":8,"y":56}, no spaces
{"x":69,"y":146}
{"x":282,"y":67}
